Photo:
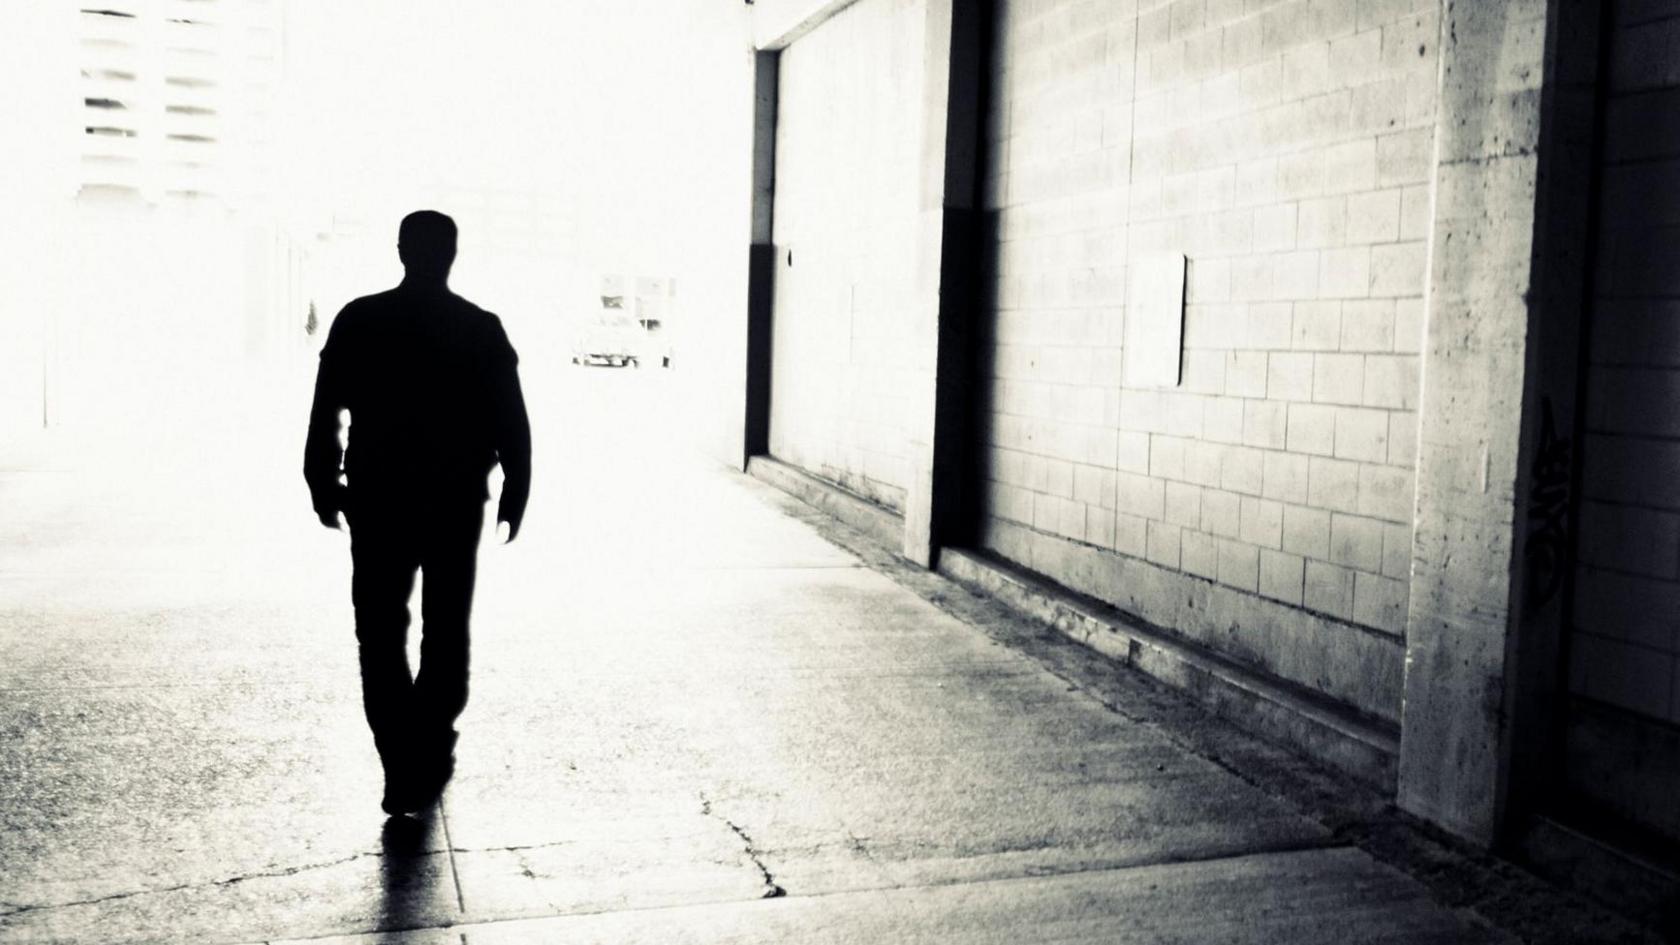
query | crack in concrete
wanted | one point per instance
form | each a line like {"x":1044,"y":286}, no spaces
{"x":518,"y":847}
{"x":859,"y":846}
{"x":771,"y":889}
{"x":530,"y":873}
{"x":525,"y":869}
{"x":231,"y":881}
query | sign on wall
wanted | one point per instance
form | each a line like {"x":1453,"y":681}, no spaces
{"x":1154,"y":321}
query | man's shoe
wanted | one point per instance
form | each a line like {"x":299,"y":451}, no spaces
{"x":433,"y":778}
{"x":401,"y":796}
{"x":434,"y":768}
{"x":394,"y":802}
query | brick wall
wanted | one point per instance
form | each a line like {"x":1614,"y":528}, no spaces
{"x":844,"y":359}
{"x":1625,"y":644}
{"x":1265,"y":504}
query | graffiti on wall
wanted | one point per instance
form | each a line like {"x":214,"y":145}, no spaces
{"x":1546,"y":551}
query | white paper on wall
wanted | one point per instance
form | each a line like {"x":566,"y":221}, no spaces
{"x":1154,"y":321}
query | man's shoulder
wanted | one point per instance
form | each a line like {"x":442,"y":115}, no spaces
{"x":358,"y":309}
{"x":470,"y":309}
{"x":345,"y":325}
{"x":364,"y":312}
{"x":378,"y":312}
{"x":375,"y":302}
{"x":487,"y":323}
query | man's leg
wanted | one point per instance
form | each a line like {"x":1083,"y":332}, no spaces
{"x":450,"y":564}
{"x":380,"y":585}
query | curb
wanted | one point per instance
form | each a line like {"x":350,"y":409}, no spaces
{"x":1328,"y":732}
{"x":883,"y":526}
{"x":1364,"y":748}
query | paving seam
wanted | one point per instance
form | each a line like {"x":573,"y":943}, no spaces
{"x":449,"y":845}
{"x":265,"y":683}
{"x":1285,"y":849}
{"x":469,"y":924}
{"x":854,"y":566}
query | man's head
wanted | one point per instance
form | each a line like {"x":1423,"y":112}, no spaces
{"x":426,"y":244}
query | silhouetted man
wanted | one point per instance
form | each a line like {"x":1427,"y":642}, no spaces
{"x":432,"y":387}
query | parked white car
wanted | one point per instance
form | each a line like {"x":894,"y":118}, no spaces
{"x":611,"y":338}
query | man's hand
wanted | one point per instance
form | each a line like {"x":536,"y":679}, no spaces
{"x":329,"y":505}
{"x":505,"y":529}
{"x":509,"y":512}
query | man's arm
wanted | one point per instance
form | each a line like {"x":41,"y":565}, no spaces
{"x":322,"y":456}
{"x":513,"y":436}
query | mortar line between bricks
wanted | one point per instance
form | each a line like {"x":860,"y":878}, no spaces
{"x":1131,"y":123}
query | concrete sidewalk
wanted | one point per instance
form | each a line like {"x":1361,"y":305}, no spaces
{"x":701,"y":712}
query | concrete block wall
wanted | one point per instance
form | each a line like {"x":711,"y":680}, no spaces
{"x":845,"y":356}
{"x":1625,"y":641}
{"x":1286,"y":148}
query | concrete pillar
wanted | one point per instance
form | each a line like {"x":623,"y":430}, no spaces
{"x":761,"y":259}
{"x":947,"y":278}
{"x":1505,"y":292}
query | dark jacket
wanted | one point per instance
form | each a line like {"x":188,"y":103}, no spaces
{"x":432,"y":386}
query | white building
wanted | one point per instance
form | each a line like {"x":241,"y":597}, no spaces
{"x":177,"y":97}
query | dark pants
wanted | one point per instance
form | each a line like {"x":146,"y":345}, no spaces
{"x":413,"y":716}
